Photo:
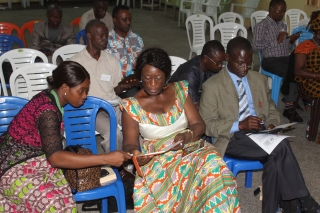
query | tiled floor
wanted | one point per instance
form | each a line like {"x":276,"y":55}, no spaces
{"x":159,"y":31}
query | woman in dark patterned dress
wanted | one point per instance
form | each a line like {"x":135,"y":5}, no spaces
{"x":31,"y":151}
{"x":307,"y":60}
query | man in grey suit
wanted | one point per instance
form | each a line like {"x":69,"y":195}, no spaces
{"x":237,"y":101}
{"x":52,"y":34}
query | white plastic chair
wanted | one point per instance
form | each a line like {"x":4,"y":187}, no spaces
{"x":66,"y":52}
{"x":212,"y":9}
{"x":128,"y":3}
{"x":304,"y":22}
{"x":228,"y":31}
{"x":196,"y":8}
{"x":19,"y":58}
{"x":176,"y":62}
{"x":293,"y":16}
{"x":35,"y":79}
{"x":152,"y":4}
{"x":230,"y":17}
{"x":198,"y":24}
{"x":249,"y":7}
{"x":258,"y":16}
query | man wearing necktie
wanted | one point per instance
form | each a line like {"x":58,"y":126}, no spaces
{"x":236,"y":101}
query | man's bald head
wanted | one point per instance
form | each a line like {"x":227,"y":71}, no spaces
{"x":54,"y":8}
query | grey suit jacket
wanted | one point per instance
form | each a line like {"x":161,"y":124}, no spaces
{"x":40,"y":36}
{"x":219,"y":105}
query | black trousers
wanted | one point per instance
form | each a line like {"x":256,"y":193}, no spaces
{"x":279,"y":66}
{"x":282,"y":177}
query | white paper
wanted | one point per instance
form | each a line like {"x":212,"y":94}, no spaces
{"x":105,"y":77}
{"x":267,"y":141}
{"x":164,"y":150}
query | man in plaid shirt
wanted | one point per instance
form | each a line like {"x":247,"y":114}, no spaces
{"x":270,"y":37}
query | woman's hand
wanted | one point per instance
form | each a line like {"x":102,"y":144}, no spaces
{"x":184,"y":138}
{"x":142,"y":160}
{"x":117,"y":158}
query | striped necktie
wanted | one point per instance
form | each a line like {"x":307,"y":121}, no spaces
{"x":244,"y":111}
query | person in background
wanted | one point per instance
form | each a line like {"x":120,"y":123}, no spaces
{"x":191,"y":177}
{"x":237,"y":101}
{"x":31,"y":151}
{"x":124,"y":44}
{"x":50,"y":35}
{"x":99,"y":12}
{"x":197,"y":70}
{"x":270,"y":37}
{"x":106,"y":79}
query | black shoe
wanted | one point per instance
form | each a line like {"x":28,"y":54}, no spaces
{"x":288,"y":112}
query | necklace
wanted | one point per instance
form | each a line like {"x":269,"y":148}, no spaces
{"x":57,"y":102}
{"x":315,"y":42}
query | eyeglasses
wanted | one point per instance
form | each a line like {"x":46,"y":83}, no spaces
{"x":244,"y":65}
{"x":127,"y":19}
{"x":222,"y":64}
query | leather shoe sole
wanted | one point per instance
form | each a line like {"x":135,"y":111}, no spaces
{"x":288,"y":113}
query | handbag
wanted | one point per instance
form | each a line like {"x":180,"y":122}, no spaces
{"x":82,"y":179}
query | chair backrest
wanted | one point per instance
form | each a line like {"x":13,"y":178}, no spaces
{"x":198,"y":24}
{"x":304,"y":22}
{"x":66,"y":52}
{"x":197,"y":7}
{"x":27,"y":26}
{"x":230,"y":17}
{"x":9,"y":107}
{"x":7,"y":28}
{"x":80,"y":34}
{"x":76,"y":21}
{"x":293,"y":16}
{"x":80,"y":123}
{"x":305,"y":34}
{"x":175,"y":63}
{"x":35,"y":77}
{"x":228,"y":31}
{"x":19,"y":58}
{"x":184,"y":2}
{"x":7,"y":41}
{"x":258,"y":16}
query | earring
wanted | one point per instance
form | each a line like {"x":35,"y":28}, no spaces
{"x":65,"y":93}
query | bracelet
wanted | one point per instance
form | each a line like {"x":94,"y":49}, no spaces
{"x":190,"y":131}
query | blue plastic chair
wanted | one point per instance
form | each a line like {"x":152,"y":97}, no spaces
{"x":236,"y":165}
{"x":81,"y":33}
{"x":80,"y":129}
{"x":305,"y":34}
{"x":10,"y":106}
{"x":6,"y":42}
{"x":276,"y":82}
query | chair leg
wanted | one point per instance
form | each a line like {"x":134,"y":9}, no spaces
{"x":314,"y":120}
{"x":276,"y":83}
{"x":190,"y":55}
{"x":248,"y":179}
{"x":165,"y":9}
{"x":179,"y":18}
{"x":104,"y":205}
{"x":295,"y":107}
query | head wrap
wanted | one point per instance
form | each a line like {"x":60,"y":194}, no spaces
{"x":315,"y":24}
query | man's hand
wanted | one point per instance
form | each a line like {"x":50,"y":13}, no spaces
{"x":281,"y":36}
{"x":117,"y":158}
{"x":250,"y":123}
{"x":294,"y":37}
{"x":271,"y":126}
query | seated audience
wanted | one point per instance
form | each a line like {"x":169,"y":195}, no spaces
{"x":270,"y":37}
{"x":237,"y":101}
{"x":106,"y":77}
{"x":124,"y":44}
{"x":307,"y":65}
{"x":99,"y":12}
{"x":197,"y":70}
{"x":193,"y":179}
{"x":52,"y":34}
{"x":31,"y":151}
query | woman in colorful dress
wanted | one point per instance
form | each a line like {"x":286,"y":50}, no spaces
{"x":307,"y":60}
{"x":31,"y":151}
{"x":189,"y":177}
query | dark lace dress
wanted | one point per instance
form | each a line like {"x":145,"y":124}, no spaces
{"x":28,"y":183}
